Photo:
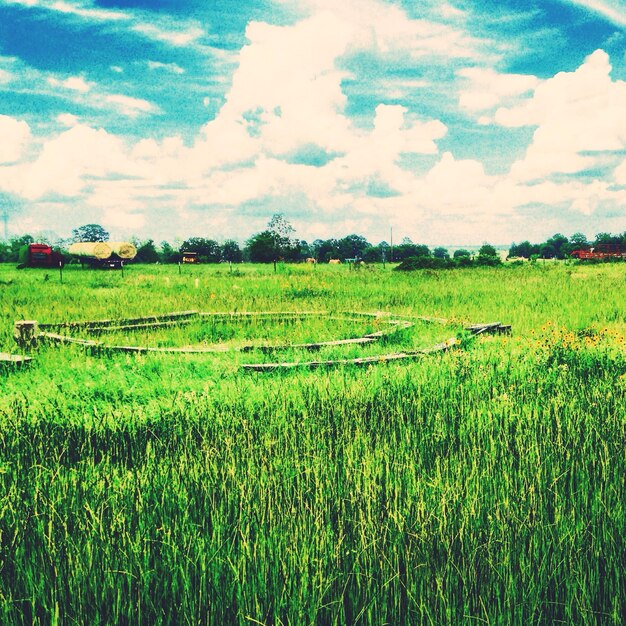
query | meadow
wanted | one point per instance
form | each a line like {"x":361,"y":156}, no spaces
{"x":484,"y":485}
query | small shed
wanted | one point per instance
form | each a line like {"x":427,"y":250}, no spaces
{"x":190,"y":257}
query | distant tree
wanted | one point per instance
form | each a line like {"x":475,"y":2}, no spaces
{"x":372,"y":254}
{"x":578,"y":240}
{"x":168,"y":254}
{"x":326,"y":249}
{"x":261,"y":248}
{"x":208,"y":250}
{"x":407,"y":250}
{"x":231,"y":251}
{"x":524,"y":249}
{"x":19,"y":246}
{"x":561,"y":245}
{"x":606,"y":238}
{"x":147,"y":252}
{"x":487,"y":255}
{"x":441,"y":253}
{"x":487,"y":250}
{"x":547,"y":251}
{"x":305,"y":251}
{"x":284,"y":246}
{"x":5,"y":252}
{"x":461,"y":253}
{"x":352,"y":247}
{"x":90,"y":232}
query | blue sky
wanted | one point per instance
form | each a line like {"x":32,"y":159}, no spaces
{"x":454,"y":123}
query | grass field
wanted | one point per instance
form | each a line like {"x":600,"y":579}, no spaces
{"x":481,"y":486}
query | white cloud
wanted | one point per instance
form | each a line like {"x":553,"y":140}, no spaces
{"x":67,"y":119}
{"x":387,"y":28}
{"x":175,"y":37}
{"x":15,"y":136}
{"x":615,"y":11}
{"x":73,"y":83}
{"x":67,"y":162}
{"x":85,"y":11}
{"x":131,"y":106}
{"x":169,"y":67}
{"x":485,"y":88}
{"x":576,"y":114}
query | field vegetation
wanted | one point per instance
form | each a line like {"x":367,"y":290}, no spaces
{"x":480,"y":486}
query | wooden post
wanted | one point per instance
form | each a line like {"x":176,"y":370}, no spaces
{"x":61,"y":271}
{"x":26,"y":332}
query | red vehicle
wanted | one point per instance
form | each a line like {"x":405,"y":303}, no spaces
{"x":42,"y":255}
{"x":601,"y":251}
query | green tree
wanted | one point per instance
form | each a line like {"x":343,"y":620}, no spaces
{"x":561,"y":245}
{"x":147,"y":252}
{"x":372,"y":254}
{"x":231,"y":251}
{"x":326,"y":249}
{"x":487,"y":255}
{"x":441,"y":253}
{"x":285,"y":247}
{"x":352,"y":247}
{"x":19,"y":247}
{"x":487,"y":250}
{"x":208,"y":250}
{"x":524,"y":249}
{"x":606,"y":238}
{"x":261,"y":248}
{"x":168,"y":254}
{"x":461,"y":253}
{"x":579,"y":240}
{"x":90,"y":232}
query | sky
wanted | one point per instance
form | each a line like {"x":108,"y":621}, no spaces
{"x":451,"y":123}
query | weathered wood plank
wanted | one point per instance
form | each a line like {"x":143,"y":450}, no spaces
{"x":368,"y":360}
{"x":14,"y":360}
{"x":491,"y":328}
{"x":131,"y":320}
{"x":307,"y":346}
{"x":142,"y":326}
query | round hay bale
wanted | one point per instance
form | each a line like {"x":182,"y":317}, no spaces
{"x":91,"y":249}
{"x":123,"y":249}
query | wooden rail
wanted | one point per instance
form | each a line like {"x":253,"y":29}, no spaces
{"x":29,"y":333}
{"x":367,"y":360}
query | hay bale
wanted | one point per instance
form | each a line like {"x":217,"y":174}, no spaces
{"x":123,"y":249}
{"x":91,"y":249}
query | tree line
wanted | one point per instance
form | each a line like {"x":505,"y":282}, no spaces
{"x":279,"y":243}
{"x":561,"y":247}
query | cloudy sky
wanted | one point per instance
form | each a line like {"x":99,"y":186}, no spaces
{"x":452,"y":123}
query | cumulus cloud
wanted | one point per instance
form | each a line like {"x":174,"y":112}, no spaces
{"x":67,"y":161}
{"x":485,"y":89}
{"x":576,"y":113}
{"x":15,"y":135}
{"x":285,"y":136}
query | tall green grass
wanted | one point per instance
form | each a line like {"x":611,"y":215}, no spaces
{"x":484,"y":486}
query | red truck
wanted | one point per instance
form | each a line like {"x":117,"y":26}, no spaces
{"x":42,"y":255}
